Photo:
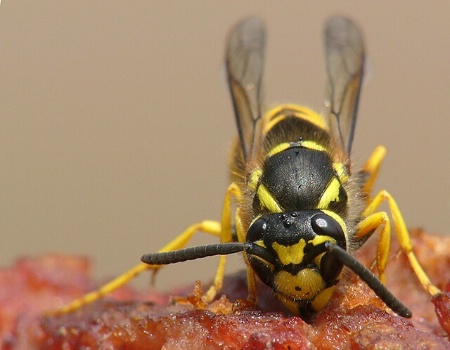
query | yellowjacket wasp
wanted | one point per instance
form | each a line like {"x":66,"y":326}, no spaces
{"x":299,"y":210}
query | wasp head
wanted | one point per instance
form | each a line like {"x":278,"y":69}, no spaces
{"x":301,"y":271}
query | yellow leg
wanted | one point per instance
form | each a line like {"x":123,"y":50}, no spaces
{"x":377,"y":222}
{"x":373,"y":220}
{"x":209,"y":227}
{"x":233,"y":192}
{"x":372,"y":167}
{"x":251,"y":283}
{"x":241,"y":233}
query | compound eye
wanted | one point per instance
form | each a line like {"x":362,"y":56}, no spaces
{"x":257,"y":230}
{"x":323,"y":224}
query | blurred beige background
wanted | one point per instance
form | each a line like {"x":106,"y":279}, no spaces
{"x":116,"y":120}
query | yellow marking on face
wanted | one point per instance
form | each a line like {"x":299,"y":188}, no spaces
{"x":317,"y":304}
{"x":331,"y":194}
{"x":258,"y":242}
{"x":273,"y":116}
{"x":292,"y":254}
{"x":305,"y":285}
{"x":319,"y":239}
{"x":267,"y":200}
{"x":341,"y":171}
{"x":288,"y":303}
{"x":321,"y":300}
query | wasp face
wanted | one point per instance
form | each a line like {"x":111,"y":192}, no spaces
{"x":301,"y":273}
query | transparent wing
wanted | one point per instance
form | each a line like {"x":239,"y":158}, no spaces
{"x":344,"y":54}
{"x":244,"y":63}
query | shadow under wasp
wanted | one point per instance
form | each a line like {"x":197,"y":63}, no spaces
{"x":294,"y":208}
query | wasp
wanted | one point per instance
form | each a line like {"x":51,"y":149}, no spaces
{"x":295,"y":208}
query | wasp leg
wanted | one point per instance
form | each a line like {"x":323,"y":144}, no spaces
{"x":241,"y":237}
{"x":381,"y":220}
{"x":207,"y":226}
{"x":377,"y":222}
{"x":233,"y":192}
{"x":371,"y":168}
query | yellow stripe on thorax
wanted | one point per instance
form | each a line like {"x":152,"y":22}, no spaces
{"x":313,"y":145}
{"x":303,"y":143}
{"x":265,"y":197}
{"x":331,"y":194}
{"x":341,"y":172}
{"x":267,"y":200}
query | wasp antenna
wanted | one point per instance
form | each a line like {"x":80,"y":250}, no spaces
{"x":204,"y":251}
{"x":370,"y":279}
{"x":192,"y":253}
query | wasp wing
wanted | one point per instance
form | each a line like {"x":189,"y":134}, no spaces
{"x":344,"y":54}
{"x":244,"y":63}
